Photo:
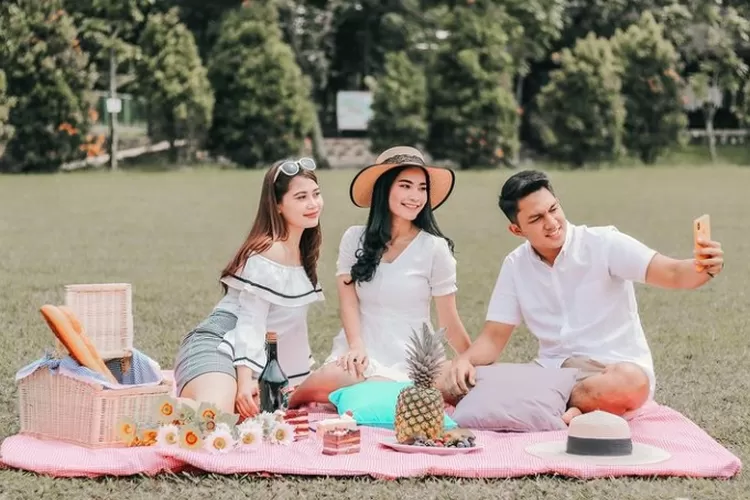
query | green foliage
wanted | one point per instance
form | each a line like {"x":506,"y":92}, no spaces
{"x":652,"y":88}
{"x":399,"y":105}
{"x":262,"y":111}
{"x":473,"y":116}
{"x":50,"y":78}
{"x":581,"y":113}
{"x":174,"y":82}
{"x":6,"y":103}
{"x":112,"y":24}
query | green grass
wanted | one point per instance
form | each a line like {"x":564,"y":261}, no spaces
{"x":169,"y":234}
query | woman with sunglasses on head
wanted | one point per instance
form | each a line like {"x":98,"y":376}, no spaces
{"x":389,"y":272}
{"x":268,"y":286}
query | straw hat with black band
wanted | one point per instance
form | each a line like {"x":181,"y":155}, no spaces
{"x":441,"y":181}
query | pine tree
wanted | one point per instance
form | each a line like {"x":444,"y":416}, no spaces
{"x":652,"y":88}
{"x":174,"y":82}
{"x":49,"y":76}
{"x":581,"y":113}
{"x":399,"y":105}
{"x":473,"y":115}
{"x":263,"y":111}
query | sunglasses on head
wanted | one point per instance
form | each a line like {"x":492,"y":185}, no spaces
{"x":291,"y":167}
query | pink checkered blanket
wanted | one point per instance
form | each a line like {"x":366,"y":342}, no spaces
{"x":694,"y":454}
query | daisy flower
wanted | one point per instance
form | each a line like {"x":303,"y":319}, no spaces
{"x":251,"y":436}
{"x":222,"y":426}
{"x":168,"y":435}
{"x":219,"y":441}
{"x":282,"y":433}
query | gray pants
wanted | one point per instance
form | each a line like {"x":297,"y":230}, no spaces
{"x":198,"y":352}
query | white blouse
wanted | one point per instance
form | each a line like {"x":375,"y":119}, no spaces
{"x":268,"y":296}
{"x":397,"y":300}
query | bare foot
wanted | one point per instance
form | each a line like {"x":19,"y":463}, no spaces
{"x":569,"y":415}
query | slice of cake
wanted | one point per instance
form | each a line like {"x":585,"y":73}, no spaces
{"x":301,"y":422}
{"x":346,"y":421}
{"x":341,"y":441}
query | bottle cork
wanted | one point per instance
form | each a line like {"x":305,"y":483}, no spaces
{"x":271,"y":337}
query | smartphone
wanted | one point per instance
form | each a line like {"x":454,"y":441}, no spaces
{"x":702,"y":230}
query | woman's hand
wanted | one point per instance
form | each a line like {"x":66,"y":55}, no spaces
{"x":247,"y":393}
{"x":355,"y":361}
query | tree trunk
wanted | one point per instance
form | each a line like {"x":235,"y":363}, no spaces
{"x":318,"y":145}
{"x":709,"y":114}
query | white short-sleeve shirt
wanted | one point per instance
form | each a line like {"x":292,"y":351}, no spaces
{"x":583,"y":305}
{"x":397,"y":300}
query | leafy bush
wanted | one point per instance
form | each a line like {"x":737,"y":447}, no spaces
{"x":652,"y":88}
{"x":581,"y":113}
{"x":50,"y":78}
{"x":399,"y":105}
{"x":473,"y":115}
{"x":263,"y":110}
{"x":174,"y":82}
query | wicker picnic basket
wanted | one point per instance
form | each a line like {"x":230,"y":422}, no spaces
{"x":54,"y":405}
{"x":106,"y":313}
{"x":63,"y":408}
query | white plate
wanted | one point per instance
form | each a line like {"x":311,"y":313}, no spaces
{"x":428,"y":450}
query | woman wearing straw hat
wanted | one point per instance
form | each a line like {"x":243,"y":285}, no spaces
{"x":388,"y":272}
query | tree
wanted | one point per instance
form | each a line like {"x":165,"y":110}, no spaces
{"x":652,"y":87}
{"x":6,"y":104}
{"x":473,"y":116}
{"x":399,"y":105}
{"x":50,"y":77}
{"x":174,"y":82}
{"x":262,"y":111}
{"x":709,"y":35}
{"x":581,"y":113}
{"x":309,"y":27}
{"x":542,"y":22}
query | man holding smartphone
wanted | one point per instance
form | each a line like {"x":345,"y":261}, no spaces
{"x":573,"y":288}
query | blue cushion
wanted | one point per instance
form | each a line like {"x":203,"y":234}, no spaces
{"x":373,"y":403}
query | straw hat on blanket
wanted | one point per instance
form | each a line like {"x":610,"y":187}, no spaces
{"x":599,"y":438}
{"x":441,"y":179}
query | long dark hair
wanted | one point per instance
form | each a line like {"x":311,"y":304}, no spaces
{"x":270,"y":226}
{"x":378,"y":229}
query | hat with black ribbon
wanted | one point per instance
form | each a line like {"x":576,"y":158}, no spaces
{"x":441,"y":179}
{"x":599,"y":438}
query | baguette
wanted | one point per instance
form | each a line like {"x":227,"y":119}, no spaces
{"x":64,"y":331}
{"x":78,"y":328}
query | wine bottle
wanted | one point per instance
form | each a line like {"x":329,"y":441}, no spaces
{"x":272,"y":380}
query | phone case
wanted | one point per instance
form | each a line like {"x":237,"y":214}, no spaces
{"x":701,"y":229}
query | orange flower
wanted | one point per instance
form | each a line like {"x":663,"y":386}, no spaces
{"x":190,"y":437}
{"x":148,"y":436}
{"x":166,"y":409}
{"x":127,"y":430}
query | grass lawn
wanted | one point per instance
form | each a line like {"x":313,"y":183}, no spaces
{"x":169,"y":234}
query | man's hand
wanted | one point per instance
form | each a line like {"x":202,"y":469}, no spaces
{"x":710,"y":257}
{"x":462,"y":375}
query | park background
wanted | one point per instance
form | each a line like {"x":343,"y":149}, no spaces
{"x":638,"y":109}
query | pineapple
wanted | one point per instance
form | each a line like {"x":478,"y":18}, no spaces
{"x":419,"y":409}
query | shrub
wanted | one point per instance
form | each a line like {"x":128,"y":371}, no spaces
{"x":580,"y":112}
{"x":652,"y":88}
{"x":399,"y":107}
{"x":262,"y":111}
{"x":50,"y":79}
{"x":473,"y":115}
